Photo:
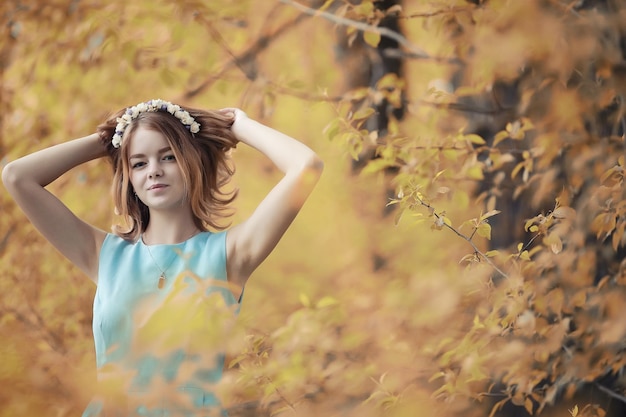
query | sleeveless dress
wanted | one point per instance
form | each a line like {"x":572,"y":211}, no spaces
{"x":158,"y":349}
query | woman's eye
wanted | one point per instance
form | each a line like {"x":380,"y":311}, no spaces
{"x":169,"y":158}
{"x":137,"y":164}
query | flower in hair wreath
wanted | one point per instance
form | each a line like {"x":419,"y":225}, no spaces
{"x":153,"y":106}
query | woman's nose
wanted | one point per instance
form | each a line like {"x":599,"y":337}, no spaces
{"x":155,"y":171}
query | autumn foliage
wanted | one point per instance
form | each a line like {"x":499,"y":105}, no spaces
{"x":473,"y":266}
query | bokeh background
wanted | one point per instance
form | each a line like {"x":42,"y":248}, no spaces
{"x":462,"y":253}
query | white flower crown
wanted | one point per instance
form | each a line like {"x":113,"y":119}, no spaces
{"x":152,"y":106}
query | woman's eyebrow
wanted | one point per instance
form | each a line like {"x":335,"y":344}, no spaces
{"x":140,"y":155}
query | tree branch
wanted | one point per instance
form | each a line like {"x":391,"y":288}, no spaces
{"x":416,"y":51}
{"x":261,"y":43}
{"x":461,"y":107}
{"x":455,"y":106}
{"x":49,"y":337}
{"x":398,"y":53}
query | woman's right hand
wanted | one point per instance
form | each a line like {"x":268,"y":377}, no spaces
{"x":235,"y":113}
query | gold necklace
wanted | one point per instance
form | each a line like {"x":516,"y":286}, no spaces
{"x":163,"y":277}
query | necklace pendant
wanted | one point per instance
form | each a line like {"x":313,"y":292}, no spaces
{"x":161,"y":282}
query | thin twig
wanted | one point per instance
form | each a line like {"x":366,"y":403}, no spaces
{"x":493,"y":394}
{"x":5,"y":239}
{"x":450,"y":10}
{"x":382,"y":31}
{"x":280,"y":394}
{"x":462,"y":236}
{"x":611,"y":393}
{"x":527,"y":245}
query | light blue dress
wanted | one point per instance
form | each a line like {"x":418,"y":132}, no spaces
{"x":150,"y":340}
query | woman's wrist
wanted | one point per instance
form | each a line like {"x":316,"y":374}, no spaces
{"x":239,"y":126}
{"x":96,"y":148}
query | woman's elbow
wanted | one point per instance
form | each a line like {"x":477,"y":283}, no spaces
{"x":314,"y":164}
{"x":10,"y":175}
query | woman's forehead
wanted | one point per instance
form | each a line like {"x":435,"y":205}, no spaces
{"x":146,"y":140}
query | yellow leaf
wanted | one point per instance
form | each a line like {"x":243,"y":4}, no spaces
{"x":332,"y":129}
{"x":517,"y":169}
{"x":450,"y":154}
{"x":564,"y":213}
{"x":475,"y":172}
{"x":579,"y":299}
{"x":604,"y":223}
{"x":326,"y":5}
{"x":475,"y":139}
{"x":437,"y":175}
{"x":372,"y":38}
{"x":467,"y":91}
{"x":436,"y":375}
{"x":484,"y":230}
{"x":528,"y":405}
{"x":363,"y":113}
{"x":490,"y":213}
{"x":326,"y":302}
{"x":304,"y":300}
{"x":497,"y":406}
{"x":365,"y":8}
{"x":500,"y":136}
{"x":389,"y":81}
{"x":398,"y":217}
{"x":280,"y":410}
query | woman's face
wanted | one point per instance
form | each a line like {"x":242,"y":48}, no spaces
{"x":154,"y":172}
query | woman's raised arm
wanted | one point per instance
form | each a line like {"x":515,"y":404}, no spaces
{"x":250,"y":242}
{"x":26,"y":179}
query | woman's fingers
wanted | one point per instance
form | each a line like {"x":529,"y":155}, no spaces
{"x":233,"y":112}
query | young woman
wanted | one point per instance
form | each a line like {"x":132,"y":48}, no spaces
{"x":170,"y":165}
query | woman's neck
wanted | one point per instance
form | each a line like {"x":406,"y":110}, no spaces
{"x":169,"y":229}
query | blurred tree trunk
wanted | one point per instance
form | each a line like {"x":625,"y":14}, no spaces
{"x":364,"y":65}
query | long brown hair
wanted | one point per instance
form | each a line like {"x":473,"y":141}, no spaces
{"x":202,"y":157}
